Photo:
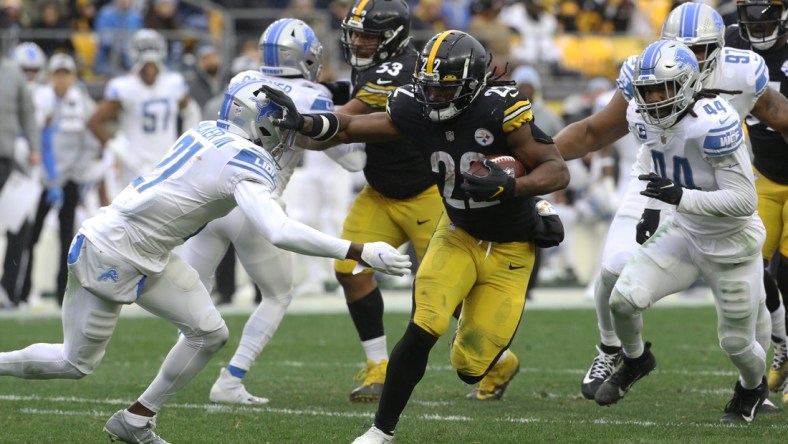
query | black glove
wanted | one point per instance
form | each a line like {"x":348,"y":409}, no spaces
{"x":647,"y":225}
{"x":291,"y":119}
{"x":660,"y":188}
{"x":497,"y":185}
{"x":340,"y":91}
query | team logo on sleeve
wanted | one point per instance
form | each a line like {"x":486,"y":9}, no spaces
{"x":483,"y":137}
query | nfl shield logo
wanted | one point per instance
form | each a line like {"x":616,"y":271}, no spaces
{"x":450,"y":136}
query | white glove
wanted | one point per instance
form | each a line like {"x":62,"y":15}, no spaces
{"x":384,"y":258}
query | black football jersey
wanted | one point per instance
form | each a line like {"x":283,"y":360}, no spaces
{"x":451,"y":146}
{"x":394,"y":169}
{"x":768,"y":145}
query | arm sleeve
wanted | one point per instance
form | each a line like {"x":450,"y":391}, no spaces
{"x":350,"y":156}
{"x":736,"y":196}
{"x":269,"y":219}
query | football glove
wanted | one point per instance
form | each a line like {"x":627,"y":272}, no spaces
{"x":54,"y":197}
{"x":497,"y":185}
{"x":647,"y":225}
{"x":340,"y":91}
{"x":383,"y":257}
{"x":661,"y":188}
{"x":291,"y":119}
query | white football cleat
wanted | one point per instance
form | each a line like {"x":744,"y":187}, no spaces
{"x":374,"y":436}
{"x":119,"y":430}
{"x":229,"y":390}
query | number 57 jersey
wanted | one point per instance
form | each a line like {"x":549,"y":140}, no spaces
{"x":192,"y":185}
{"x":706,"y":155}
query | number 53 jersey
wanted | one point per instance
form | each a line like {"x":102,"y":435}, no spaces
{"x":706,"y":155}
{"x":192,"y":185}
{"x":450,"y":147}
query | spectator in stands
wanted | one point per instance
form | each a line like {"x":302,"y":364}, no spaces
{"x":115,"y":23}
{"x":339,"y":9}
{"x":491,"y":31}
{"x":53,"y":29}
{"x":162,"y":17}
{"x":536,"y":28}
{"x":430,"y":12}
{"x":530,"y":84}
{"x":17,"y":115}
{"x":83,"y":15}
{"x":205,"y":80}
{"x":12,"y":20}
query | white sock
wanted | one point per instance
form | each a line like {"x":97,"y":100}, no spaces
{"x":135,"y":420}
{"x":259,"y":329}
{"x":778,"y":322}
{"x":751,"y":363}
{"x":375,"y":349}
{"x":604,"y":288}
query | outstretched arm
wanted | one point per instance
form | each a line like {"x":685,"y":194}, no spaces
{"x":772,"y":109}
{"x":596,"y":131}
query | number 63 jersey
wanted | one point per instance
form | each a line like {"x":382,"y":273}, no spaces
{"x":192,"y":185}
{"x":450,"y":147}
{"x":706,"y":155}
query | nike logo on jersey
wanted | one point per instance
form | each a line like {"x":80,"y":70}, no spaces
{"x":722,"y":121}
{"x":422,"y":222}
{"x":383,"y":82}
{"x":516,"y":267}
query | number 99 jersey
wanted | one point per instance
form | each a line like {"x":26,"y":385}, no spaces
{"x":479,"y":131}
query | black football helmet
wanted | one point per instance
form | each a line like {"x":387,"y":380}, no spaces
{"x":450,"y":73}
{"x":387,"y":19}
{"x":763,"y":23}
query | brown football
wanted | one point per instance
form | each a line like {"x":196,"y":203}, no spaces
{"x":512,"y":166}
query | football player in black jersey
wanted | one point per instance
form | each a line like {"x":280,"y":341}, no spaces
{"x":763,"y":28}
{"x":482,"y":251}
{"x":400,"y":202}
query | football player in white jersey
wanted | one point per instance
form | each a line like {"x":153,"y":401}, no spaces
{"x":701,"y":28}
{"x":146,"y":101}
{"x":124,"y":254}
{"x":292,"y":57}
{"x":693,"y":144}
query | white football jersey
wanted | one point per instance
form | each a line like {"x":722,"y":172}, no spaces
{"x":695,"y":153}
{"x":309,"y":97}
{"x":736,"y":70}
{"x":191,"y":186}
{"x":149,"y":114}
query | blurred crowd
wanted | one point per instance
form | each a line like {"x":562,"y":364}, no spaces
{"x":76,"y":46}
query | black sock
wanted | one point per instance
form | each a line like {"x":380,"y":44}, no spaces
{"x":407,"y":364}
{"x":367,"y":315}
{"x":772,"y":294}
{"x":609,"y":349}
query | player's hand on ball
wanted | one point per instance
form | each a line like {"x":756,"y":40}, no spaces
{"x":291,"y":119}
{"x":496,"y":185}
{"x":383,"y":257}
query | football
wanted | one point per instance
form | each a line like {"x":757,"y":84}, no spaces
{"x":512,"y":166}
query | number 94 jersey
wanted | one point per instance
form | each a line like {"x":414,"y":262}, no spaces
{"x":450,"y":147}
{"x":705,"y":154}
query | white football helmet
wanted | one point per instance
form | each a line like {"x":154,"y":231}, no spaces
{"x":247,"y":112}
{"x":697,"y":24}
{"x":672,"y":68}
{"x":31,"y":59}
{"x":289,"y":47}
{"x":147,"y":46}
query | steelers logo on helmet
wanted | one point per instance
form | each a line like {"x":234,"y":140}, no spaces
{"x":665,"y":81}
{"x":450,"y":73}
{"x":763,"y":23}
{"x":374,"y":30}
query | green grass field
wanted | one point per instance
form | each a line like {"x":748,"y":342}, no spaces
{"x":307,"y":372}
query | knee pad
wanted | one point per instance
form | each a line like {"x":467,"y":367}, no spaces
{"x":734,"y":345}
{"x":216,"y":339}
{"x":629,"y":305}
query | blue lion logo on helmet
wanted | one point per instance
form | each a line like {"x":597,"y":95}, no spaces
{"x":685,"y":57}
